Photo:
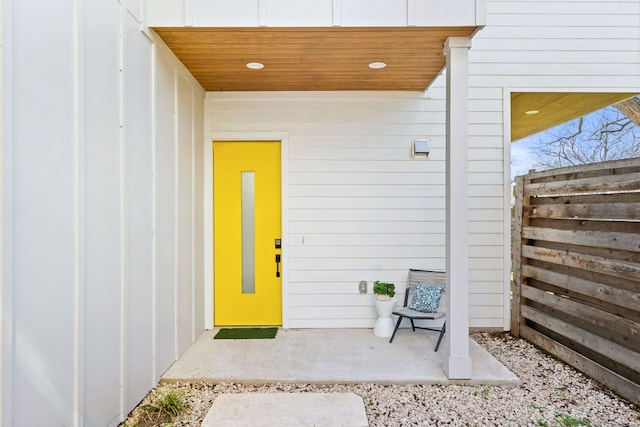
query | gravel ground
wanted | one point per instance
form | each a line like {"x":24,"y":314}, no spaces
{"x":551,"y":394}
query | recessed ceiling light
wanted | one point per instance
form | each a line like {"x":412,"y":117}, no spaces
{"x":377,"y":65}
{"x":255,"y":65}
{"x":531,"y":112}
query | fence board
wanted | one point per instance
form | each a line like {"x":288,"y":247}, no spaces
{"x":611,"y":379}
{"x":601,"y":291}
{"x":599,"y":168}
{"x":628,"y":182}
{"x":622,"y":269}
{"x":594,"y":316}
{"x":576,"y":287}
{"x":585,"y":338}
{"x":602,"y":239}
{"x":587,"y":212}
{"x":519,"y":221}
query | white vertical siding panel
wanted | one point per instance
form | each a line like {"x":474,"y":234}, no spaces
{"x":165,"y":12}
{"x":102,"y":215}
{"x":138,"y":212}
{"x":390,"y":12}
{"x":185,"y":214}
{"x":165,"y":220}
{"x":310,"y":13}
{"x":6,"y":216}
{"x":43,"y":212}
{"x":81,"y":210}
{"x":239,"y":13}
{"x":198,"y":213}
{"x":135,"y":9}
{"x":284,"y":13}
{"x":454,"y":12}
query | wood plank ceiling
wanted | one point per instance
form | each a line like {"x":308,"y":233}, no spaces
{"x":337,"y":58}
{"x":533,"y":112}
{"x":306,"y":59}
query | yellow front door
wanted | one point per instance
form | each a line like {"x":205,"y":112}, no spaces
{"x":246,"y":233}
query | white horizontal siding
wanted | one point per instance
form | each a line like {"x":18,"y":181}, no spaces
{"x":528,"y":18}
{"x":365,"y":240}
{"x":488,"y":254}
{"x":529,"y":44}
{"x":551,"y":57}
{"x":313,"y":165}
{"x":380,"y":215}
{"x":330,"y":323}
{"x":366,"y":227}
{"x":360,"y":208}
{"x":391,"y":119}
{"x":549,"y":45}
{"x":559,"y":46}
{"x":484,"y":191}
{"x":409,"y":202}
{"x":573,"y":7}
{"x":486,"y":215}
{"x":610,"y":83}
{"x":486,"y":166}
{"x":485,"y":285}
{"x":378,"y":192}
{"x":364,"y":178}
{"x":360,"y":251}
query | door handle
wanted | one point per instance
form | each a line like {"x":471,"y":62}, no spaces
{"x":277,"y":265}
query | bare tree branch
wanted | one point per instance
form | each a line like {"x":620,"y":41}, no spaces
{"x":630,"y":108}
{"x":578,"y":131}
{"x":604,"y":135}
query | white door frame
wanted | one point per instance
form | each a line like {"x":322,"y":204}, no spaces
{"x":211,"y":136}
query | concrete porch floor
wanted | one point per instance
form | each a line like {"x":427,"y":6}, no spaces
{"x":329,"y":356}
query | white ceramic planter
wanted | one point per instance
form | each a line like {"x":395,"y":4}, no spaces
{"x":384,"y":325}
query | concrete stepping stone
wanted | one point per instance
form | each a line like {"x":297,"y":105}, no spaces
{"x":287,"y":410}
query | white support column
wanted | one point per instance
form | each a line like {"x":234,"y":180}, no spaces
{"x":456,"y":360}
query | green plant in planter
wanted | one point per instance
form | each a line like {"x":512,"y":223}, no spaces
{"x":384,"y":290}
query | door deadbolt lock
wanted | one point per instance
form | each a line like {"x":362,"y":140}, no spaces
{"x":277,"y":265}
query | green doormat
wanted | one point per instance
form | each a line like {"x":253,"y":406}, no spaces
{"x":245,"y":333}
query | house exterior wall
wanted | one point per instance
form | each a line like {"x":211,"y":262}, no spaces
{"x":541,"y":46}
{"x":559,"y":46}
{"x":538,"y":46}
{"x":315,"y":13}
{"x":360,"y":208}
{"x":103,"y":223}
{"x":367,"y":211}
{"x":101,"y":212}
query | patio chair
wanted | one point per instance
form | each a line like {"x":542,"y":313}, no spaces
{"x":422,"y":300}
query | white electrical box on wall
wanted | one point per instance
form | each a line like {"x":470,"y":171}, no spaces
{"x":420,"y":147}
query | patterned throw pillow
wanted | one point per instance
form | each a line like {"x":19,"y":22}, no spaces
{"x":426,"y":298}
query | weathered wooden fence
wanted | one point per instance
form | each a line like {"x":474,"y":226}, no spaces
{"x":576,"y":268}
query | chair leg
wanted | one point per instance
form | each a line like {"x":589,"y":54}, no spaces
{"x":444,"y":326}
{"x":412,"y":325}
{"x":396,"y":328}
